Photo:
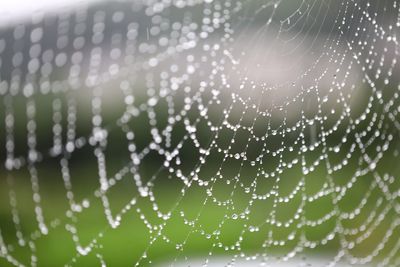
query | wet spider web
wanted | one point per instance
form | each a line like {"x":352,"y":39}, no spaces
{"x":267,"y":131}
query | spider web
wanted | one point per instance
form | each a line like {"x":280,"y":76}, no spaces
{"x":265,"y":130}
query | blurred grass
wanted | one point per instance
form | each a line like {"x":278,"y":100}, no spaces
{"x":124,"y":245}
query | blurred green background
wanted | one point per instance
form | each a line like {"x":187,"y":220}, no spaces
{"x":227,"y":216}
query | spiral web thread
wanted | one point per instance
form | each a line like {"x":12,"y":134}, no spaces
{"x":196,"y":89}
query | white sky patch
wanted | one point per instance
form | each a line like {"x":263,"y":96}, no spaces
{"x":15,"y":10}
